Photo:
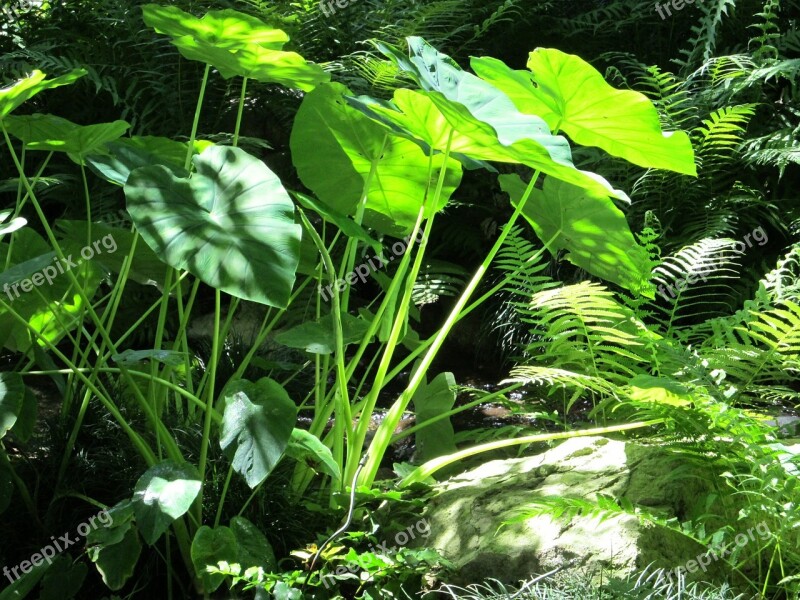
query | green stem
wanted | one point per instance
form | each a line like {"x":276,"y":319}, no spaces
{"x":383,"y":435}
{"x":212,"y":369}
{"x":429,"y":468}
{"x":239,"y":113}
{"x":190,"y":150}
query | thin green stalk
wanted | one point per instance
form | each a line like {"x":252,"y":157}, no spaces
{"x":239,"y":113}
{"x":383,"y":435}
{"x":209,"y":392}
{"x":343,"y":422}
{"x":190,"y":150}
{"x":429,"y":468}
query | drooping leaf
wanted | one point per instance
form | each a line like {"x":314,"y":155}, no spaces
{"x":573,"y":97}
{"x":317,"y":337}
{"x":254,"y":550}
{"x":209,"y":547}
{"x":164,"y":493}
{"x":589,"y":226}
{"x":306,"y":447}
{"x":337,"y":149}
{"x":23,"y":89}
{"x":256,"y":426}
{"x":431,"y":400}
{"x":231,"y":224}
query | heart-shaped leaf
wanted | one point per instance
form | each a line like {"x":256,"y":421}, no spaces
{"x":571,"y":95}
{"x":164,"y":493}
{"x":231,"y":224}
{"x":209,"y":547}
{"x":116,"y":562}
{"x":589,"y":226}
{"x":20,"y":91}
{"x":256,"y":426}
{"x":337,"y":149}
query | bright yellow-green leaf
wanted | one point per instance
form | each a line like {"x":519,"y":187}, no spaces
{"x":20,"y":91}
{"x":573,"y":97}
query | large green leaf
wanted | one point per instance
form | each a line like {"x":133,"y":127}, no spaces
{"x":335,"y":148}
{"x":431,"y":400}
{"x":256,"y":426}
{"x":164,"y":493}
{"x":235,"y":44}
{"x":231,"y":224}
{"x":255,"y":62}
{"x":573,"y":97}
{"x":227,"y":28}
{"x":433,"y":119}
{"x":54,"y":134}
{"x":12,"y":395}
{"x":254,"y":549}
{"x":209,"y":547}
{"x":20,"y":91}
{"x":589,"y":226}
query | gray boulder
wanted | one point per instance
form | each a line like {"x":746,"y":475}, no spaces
{"x":465,"y":516}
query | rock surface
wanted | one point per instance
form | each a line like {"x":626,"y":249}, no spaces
{"x":465,"y":516}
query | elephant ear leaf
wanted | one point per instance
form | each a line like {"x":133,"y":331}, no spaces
{"x":590,"y":227}
{"x":231,"y":224}
{"x":574,"y":98}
